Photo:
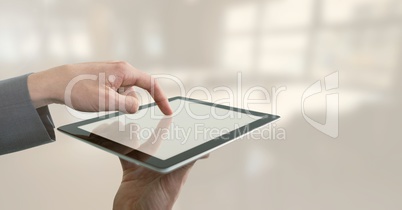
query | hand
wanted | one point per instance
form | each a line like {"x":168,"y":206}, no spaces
{"x":142,"y":188}
{"x":94,"y":87}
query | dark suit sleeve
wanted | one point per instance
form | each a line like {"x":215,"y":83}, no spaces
{"x":21,"y":125}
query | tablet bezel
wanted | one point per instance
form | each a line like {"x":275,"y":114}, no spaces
{"x":172,"y":163}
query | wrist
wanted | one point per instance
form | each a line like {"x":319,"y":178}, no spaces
{"x":40,"y":89}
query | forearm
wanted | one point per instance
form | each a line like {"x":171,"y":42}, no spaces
{"x":21,"y":125}
{"x":88,"y":87}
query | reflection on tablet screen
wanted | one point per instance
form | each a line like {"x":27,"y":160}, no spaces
{"x":151,"y":132}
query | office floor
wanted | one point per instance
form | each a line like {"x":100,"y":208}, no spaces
{"x":212,"y":44}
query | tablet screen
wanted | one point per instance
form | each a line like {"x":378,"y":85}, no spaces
{"x":163,"y":137}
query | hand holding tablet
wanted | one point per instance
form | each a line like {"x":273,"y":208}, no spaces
{"x":141,"y":187}
{"x":196,"y":127}
{"x":147,"y":138}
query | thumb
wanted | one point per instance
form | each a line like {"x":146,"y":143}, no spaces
{"x":127,"y":103}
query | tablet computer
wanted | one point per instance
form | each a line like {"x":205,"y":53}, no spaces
{"x":165,"y":143}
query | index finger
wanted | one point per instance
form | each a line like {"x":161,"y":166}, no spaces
{"x":147,"y":82}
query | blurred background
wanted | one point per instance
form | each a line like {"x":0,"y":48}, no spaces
{"x":288,"y":44}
